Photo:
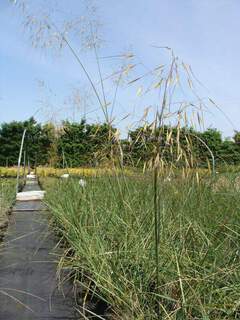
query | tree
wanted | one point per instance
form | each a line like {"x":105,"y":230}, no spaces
{"x":36,"y":144}
{"x":84,"y":144}
{"x":236,"y":137}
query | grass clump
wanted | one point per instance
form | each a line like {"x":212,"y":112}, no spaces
{"x":108,"y":230}
{"x":7,"y":195}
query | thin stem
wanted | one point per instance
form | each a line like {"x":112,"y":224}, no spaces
{"x":209,"y":150}
{"x":82,"y":66}
{"x":102,"y":86}
{"x":156,"y":229}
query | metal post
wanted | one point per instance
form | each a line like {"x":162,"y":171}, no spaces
{"x":19,"y":159}
{"x":29,"y":169}
{"x":36,"y":160}
{"x":24,"y":164}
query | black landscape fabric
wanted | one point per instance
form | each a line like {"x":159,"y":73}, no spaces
{"x":28,"y":284}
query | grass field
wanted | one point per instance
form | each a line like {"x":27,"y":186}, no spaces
{"x":108,"y":230}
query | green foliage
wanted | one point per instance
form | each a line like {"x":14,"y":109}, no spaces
{"x":236,"y":137}
{"x":213,"y":139}
{"x":7,"y":196}
{"x":108,"y":227}
{"x":83,"y":144}
{"x":194,"y":146}
{"x":37,"y":142}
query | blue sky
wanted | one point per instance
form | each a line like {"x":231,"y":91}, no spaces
{"x":202,"y":33}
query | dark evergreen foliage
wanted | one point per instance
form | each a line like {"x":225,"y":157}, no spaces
{"x":84,"y":144}
{"x":37,"y":142}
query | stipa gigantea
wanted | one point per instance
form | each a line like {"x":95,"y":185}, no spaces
{"x":167,"y":145}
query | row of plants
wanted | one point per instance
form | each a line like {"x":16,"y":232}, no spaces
{"x":7,"y":172}
{"x":7,"y":196}
{"x":10,"y":172}
{"x":108,"y":229}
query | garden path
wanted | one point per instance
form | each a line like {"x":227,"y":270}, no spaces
{"x":28,"y":263}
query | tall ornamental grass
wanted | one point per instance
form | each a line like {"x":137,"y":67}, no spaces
{"x":108,"y":230}
{"x":150,"y":249}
